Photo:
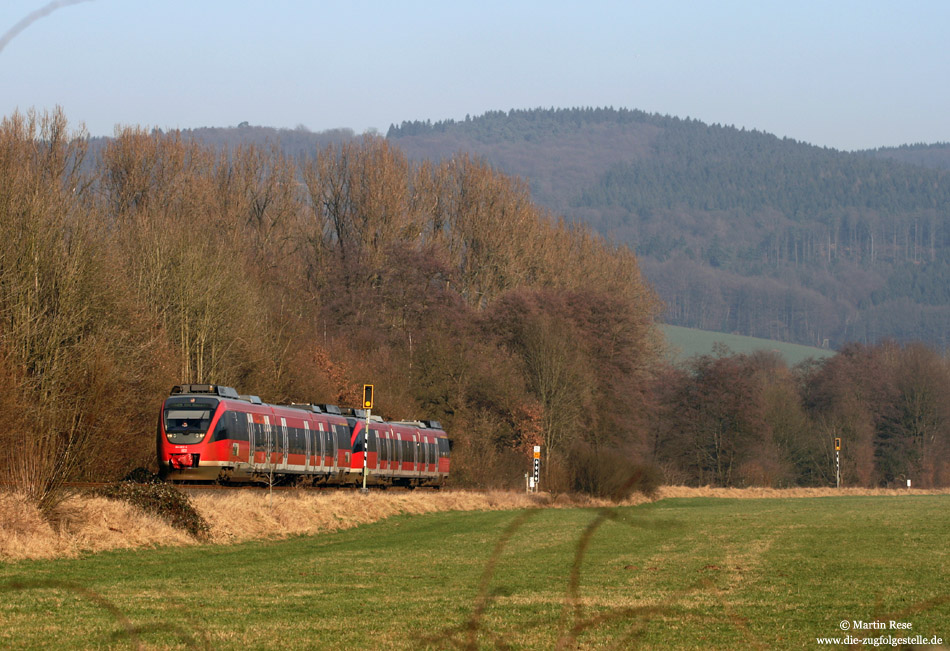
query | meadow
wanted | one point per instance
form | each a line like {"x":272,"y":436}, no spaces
{"x":683,"y":343}
{"x":707,"y":572}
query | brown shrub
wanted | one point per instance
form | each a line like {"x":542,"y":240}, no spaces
{"x":605,"y":473}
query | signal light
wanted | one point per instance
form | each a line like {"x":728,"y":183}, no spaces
{"x":367,"y":396}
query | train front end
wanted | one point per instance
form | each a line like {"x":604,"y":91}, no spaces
{"x":184,"y":425}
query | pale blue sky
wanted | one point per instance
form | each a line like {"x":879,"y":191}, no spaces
{"x":845,"y":74}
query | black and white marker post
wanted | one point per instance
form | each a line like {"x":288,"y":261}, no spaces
{"x":368,"y":406}
{"x":537,"y":468}
{"x":837,"y":463}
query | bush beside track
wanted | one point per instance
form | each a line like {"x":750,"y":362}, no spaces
{"x":163,"y":500}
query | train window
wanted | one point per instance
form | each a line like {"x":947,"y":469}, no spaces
{"x":296,"y":441}
{"x":237,"y":425}
{"x":358,"y":442}
{"x":373,"y":440}
{"x":222,"y":429}
{"x":265,"y":436}
{"x":342,"y":436}
{"x":187,"y":421}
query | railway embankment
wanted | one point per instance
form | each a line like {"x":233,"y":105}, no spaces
{"x":88,"y":523}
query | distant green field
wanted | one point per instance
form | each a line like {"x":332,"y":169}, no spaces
{"x":687,"y":342}
{"x":679,"y":573}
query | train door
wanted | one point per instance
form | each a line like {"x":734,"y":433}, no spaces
{"x":285,"y":436}
{"x":380,"y":437}
{"x":336,"y":437}
{"x":332,"y":450}
{"x":260,"y":443}
{"x":415,"y":452}
{"x":342,"y":447}
{"x":268,"y":443}
{"x":389,"y":450}
{"x":423,"y":454}
{"x":307,"y":442}
{"x":398,"y":444}
{"x":379,"y":443}
{"x":251,"y":448}
{"x":260,"y":439}
{"x":318,"y":442}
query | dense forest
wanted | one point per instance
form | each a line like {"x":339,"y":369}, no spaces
{"x":164,"y":260}
{"x":936,"y":155}
{"x":738,"y":231}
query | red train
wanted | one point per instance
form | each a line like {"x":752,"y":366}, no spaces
{"x":208,"y":432}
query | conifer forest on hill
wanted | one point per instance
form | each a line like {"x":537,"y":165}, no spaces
{"x":738,"y":231}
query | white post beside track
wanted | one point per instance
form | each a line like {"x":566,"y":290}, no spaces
{"x":365,"y":450}
{"x":537,"y":468}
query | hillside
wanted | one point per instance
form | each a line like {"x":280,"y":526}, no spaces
{"x":739,"y":231}
{"x":684,"y":343}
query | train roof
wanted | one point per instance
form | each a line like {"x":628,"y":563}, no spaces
{"x":424,"y":424}
{"x":320,"y":408}
{"x":230,"y":393}
{"x":214,"y":389}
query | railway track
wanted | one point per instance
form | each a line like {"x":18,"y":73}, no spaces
{"x":93,"y":485}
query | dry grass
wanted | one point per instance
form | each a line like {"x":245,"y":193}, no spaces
{"x":83,"y":524}
{"x":665,"y":492}
{"x":79,"y":524}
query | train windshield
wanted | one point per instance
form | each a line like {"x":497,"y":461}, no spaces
{"x":187,"y":419}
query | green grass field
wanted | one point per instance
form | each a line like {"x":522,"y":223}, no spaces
{"x":679,"y":573}
{"x":687,"y":342}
